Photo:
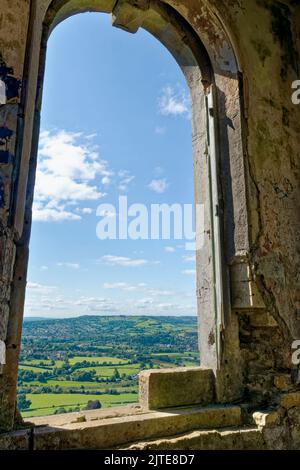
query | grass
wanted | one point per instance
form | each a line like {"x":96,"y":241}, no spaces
{"x":99,"y":360}
{"x":45,"y":404}
{"x":35,"y":364}
{"x":105,"y":371}
{"x":34,"y":368}
{"x":74,"y":384}
{"x":180,"y":355}
{"x":63,"y":383}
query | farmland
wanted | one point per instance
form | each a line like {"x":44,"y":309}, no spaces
{"x":67,"y":363}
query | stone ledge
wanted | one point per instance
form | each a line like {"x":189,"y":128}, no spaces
{"x":65,"y":419}
{"x":165,"y":388}
{"x":114,"y":432}
{"x":237,"y":439}
{"x":17,"y":440}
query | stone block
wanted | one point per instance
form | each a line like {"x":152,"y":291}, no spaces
{"x":294,"y":424}
{"x":168,"y":388}
{"x":289,"y":400}
{"x":265,"y":419}
{"x":262,"y":319}
{"x":283,"y":382}
{"x":129,"y":15}
{"x":17,"y":440}
{"x":244,"y":292}
{"x":277,"y":437}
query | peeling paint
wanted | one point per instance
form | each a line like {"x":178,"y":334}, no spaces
{"x":12,"y":84}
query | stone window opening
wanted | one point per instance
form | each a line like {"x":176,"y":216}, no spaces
{"x":114,"y":245}
{"x":212,"y":76}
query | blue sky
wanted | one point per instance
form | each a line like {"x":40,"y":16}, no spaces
{"x":115,"y":121}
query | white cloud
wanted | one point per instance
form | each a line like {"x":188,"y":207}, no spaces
{"x":142,"y":303}
{"x":123,"y":261}
{"x":115,"y":285}
{"x":62,"y":188}
{"x":44,"y":268}
{"x":68,"y":168}
{"x":161,"y":293}
{"x":87,"y":210}
{"x":105,"y":180}
{"x":174,"y":102}
{"x":40,"y":288}
{"x":158,"y":186}
{"x":84,"y":210}
{"x":68,"y":265}
{"x":150,"y":303}
{"x":95,"y":304}
{"x":189,"y":272}
{"x":44,"y":213}
{"x":125,"y":179}
{"x":124,"y":286}
{"x":170,"y":249}
{"x":64,"y":154}
{"x":189,"y":258}
{"x":140,"y":287}
{"x":165,"y":306}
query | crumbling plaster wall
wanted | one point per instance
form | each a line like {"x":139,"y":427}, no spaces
{"x":269,"y":51}
{"x":266,"y":38}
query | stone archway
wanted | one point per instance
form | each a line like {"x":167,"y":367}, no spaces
{"x":203,"y":51}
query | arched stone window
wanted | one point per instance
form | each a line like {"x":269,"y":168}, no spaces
{"x":204,"y":52}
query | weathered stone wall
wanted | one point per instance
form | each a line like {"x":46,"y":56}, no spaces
{"x":265,"y":35}
{"x":14,"y":18}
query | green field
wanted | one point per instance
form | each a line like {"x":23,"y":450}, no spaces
{"x":67,"y":384}
{"x":65,"y":363}
{"x":104,"y":371}
{"x":46,"y":404}
{"x":101,"y":371}
{"x":39,"y":365}
{"x":33,"y":368}
{"x":99,"y":360}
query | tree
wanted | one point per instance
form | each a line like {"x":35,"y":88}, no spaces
{"x":23,"y":404}
{"x":116,"y":374}
{"x":42,"y":379}
{"x":85,"y":376}
{"x":60,"y":411}
{"x":93,"y":405}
